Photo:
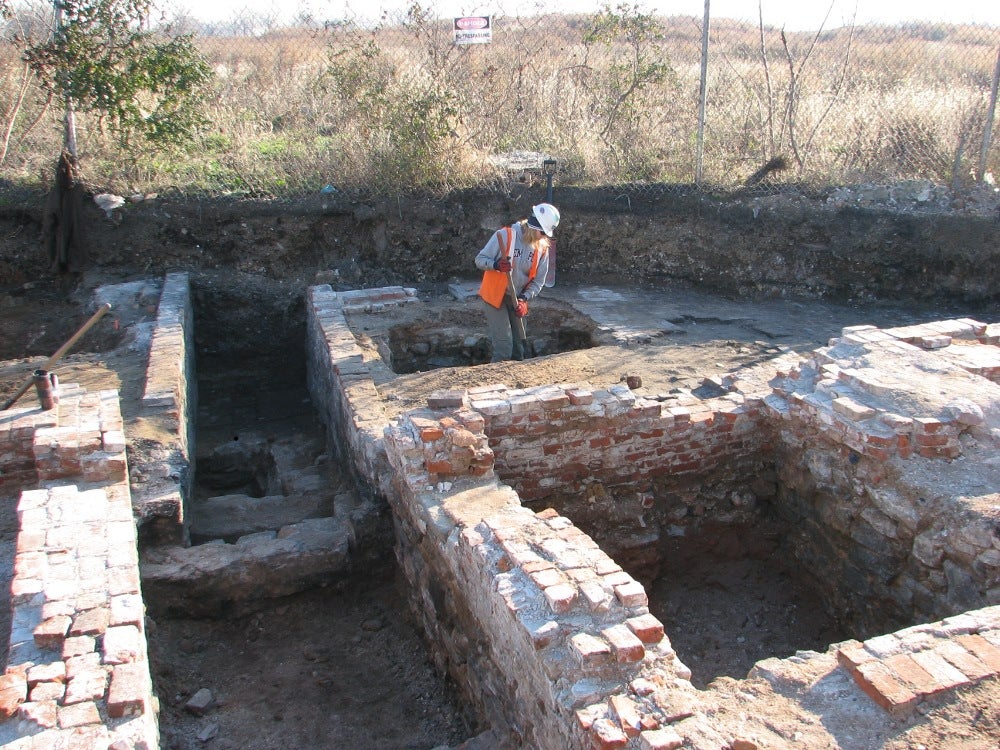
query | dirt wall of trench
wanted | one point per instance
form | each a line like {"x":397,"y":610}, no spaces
{"x":771,"y":244}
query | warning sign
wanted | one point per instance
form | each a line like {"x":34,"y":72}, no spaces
{"x":473,"y":30}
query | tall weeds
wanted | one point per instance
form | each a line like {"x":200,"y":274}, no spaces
{"x":613,"y":97}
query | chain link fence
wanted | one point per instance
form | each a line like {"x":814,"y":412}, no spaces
{"x":620,"y":97}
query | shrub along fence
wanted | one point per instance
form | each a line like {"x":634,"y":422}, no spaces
{"x":621,"y":97}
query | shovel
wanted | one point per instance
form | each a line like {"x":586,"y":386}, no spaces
{"x":518,"y":329}
{"x":59,"y":353}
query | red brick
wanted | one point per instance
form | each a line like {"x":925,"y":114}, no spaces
{"x":92,"y":622}
{"x":606,"y":736}
{"x":42,"y":715}
{"x":130,"y":686}
{"x":927,"y":425}
{"x":680,"y":414}
{"x":52,"y":632}
{"x":632,"y":594}
{"x":590,"y":651}
{"x":946,"y":675}
{"x":79,"y":714}
{"x":949,"y":451}
{"x":882,"y":441}
{"x":853,"y":656}
{"x":875,"y":679}
{"x":965,"y":662}
{"x":13,"y":692}
{"x":440,"y":466}
{"x":661,"y":739}
{"x":905,"y":446}
{"x":561,"y":598}
{"x":627,"y":713}
{"x":586,"y":717}
{"x":647,"y":628}
{"x":915,"y":676}
{"x":879,"y":454}
{"x":932,"y":441}
{"x":985,"y":651}
{"x":548,"y":577}
{"x":626,"y":647}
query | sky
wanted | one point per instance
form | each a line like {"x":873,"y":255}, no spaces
{"x":794,"y":15}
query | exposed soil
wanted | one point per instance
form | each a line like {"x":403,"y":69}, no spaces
{"x":323,"y":669}
{"x":316,"y":670}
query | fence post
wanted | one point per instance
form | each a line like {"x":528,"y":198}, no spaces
{"x":988,"y":130}
{"x":702,"y":97}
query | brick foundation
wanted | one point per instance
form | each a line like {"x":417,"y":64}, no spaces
{"x":77,"y":673}
{"x":550,"y":638}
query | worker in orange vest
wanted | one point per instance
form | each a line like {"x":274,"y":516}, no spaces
{"x":516,"y":256}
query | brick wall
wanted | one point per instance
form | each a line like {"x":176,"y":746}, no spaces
{"x":77,"y":673}
{"x":549,"y":637}
{"x":340,"y":383}
{"x":164,"y":479}
{"x":884,"y":455}
{"x":541,"y":627}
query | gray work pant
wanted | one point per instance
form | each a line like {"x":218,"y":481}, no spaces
{"x":501,"y":324}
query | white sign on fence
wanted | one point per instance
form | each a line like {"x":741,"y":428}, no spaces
{"x":473,"y":30}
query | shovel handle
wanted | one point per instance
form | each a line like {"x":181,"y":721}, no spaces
{"x":513,"y":300}
{"x":60,"y":352}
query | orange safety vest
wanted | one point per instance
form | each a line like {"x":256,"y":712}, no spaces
{"x":495,"y":283}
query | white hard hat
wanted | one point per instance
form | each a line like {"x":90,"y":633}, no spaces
{"x":547,"y":217}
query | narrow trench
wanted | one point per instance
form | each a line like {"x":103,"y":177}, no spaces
{"x":338,"y":665}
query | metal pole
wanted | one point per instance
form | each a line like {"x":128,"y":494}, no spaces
{"x":988,"y":130}
{"x":702,"y":97}
{"x":549,"y":167}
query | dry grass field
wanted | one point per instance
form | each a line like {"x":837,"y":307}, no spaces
{"x":613,"y":97}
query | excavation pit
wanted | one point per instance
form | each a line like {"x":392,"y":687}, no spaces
{"x":536,"y":524}
{"x":444,"y":332}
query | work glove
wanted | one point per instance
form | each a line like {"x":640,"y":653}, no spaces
{"x":502,"y":265}
{"x":521,"y":308}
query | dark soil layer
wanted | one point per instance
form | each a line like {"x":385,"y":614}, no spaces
{"x":729,"y":598}
{"x":324,"y":669}
{"x":770,"y":244}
